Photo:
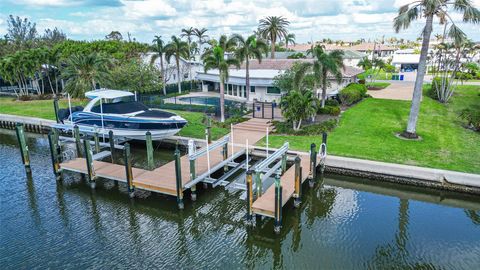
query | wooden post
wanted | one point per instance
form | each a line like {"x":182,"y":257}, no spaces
{"x":23,"y":147}
{"x":88,"y":158}
{"x":323,"y":152}
{"x":55,"y":108}
{"x":298,"y":182}
{"x":278,"y":205}
{"x":97,"y":143}
{"x":313,"y":163}
{"x":225,"y":156}
{"x":249,"y":196}
{"x":193,"y":175}
{"x":273,"y":113}
{"x":253,"y":106}
{"x":54,"y":154}
{"x":148,"y":141}
{"x":128,"y":170}
{"x":263,"y":109}
{"x":78,"y":144}
{"x":178,"y":178}
{"x":258,"y":181}
{"x":284,"y":162}
{"x":112,"y":145}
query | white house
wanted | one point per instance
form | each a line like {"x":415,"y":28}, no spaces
{"x":261,"y":80}
{"x":188,"y":68}
{"x":406,"y":60}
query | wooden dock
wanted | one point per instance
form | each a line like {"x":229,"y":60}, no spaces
{"x":265,"y":205}
{"x":163,"y":179}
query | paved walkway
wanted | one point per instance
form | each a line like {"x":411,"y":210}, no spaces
{"x":396,"y":90}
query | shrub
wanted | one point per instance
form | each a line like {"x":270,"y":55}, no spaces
{"x":472,"y":117}
{"x":331,"y":102}
{"x":362,"y":81}
{"x":353,"y":93}
{"x":331,"y":110}
{"x":435,"y":87}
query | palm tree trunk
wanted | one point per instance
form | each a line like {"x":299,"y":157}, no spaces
{"x":162,"y":70}
{"x":247,"y":78}
{"x":179,"y":84}
{"x":417,"y":91}
{"x":272,"y":53}
{"x":222,"y":99}
{"x":324,"y":89}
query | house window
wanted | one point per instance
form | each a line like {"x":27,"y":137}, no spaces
{"x":273,"y":90}
{"x":252,"y":89}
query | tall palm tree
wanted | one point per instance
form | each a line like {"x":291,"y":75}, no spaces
{"x":159,"y":48}
{"x":365,"y":63}
{"x":202,"y":37}
{"x":178,"y":49}
{"x":247,"y":49}
{"x":83,"y":72}
{"x":215,"y":59}
{"x":289,"y":39}
{"x":430,"y":9}
{"x":326,"y":64}
{"x":189,"y":33}
{"x":273,"y":28}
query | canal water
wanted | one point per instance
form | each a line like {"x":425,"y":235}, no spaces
{"x":344,"y":223}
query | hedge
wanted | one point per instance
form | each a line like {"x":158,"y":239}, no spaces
{"x":353,"y":93}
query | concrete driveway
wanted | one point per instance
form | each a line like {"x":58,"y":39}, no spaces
{"x":397,"y":91}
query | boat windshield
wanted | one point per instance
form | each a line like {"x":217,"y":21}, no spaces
{"x":122,"y":107}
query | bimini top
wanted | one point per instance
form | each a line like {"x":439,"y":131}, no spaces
{"x":107,"y":94}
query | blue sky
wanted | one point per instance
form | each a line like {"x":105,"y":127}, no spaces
{"x":310,"y":19}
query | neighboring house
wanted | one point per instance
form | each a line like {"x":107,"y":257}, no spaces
{"x":171,"y":68}
{"x":261,"y":80}
{"x":374,"y":49}
{"x":350,"y":58}
{"x":406,"y":60}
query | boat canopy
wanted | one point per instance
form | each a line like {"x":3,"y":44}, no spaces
{"x":107,"y":94}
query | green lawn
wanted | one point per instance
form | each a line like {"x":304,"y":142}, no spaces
{"x":378,"y":85}
{"x":380,"y":76}
{"x":34,"y":108}
{"x":44,"y":109}
{"x":367,"y":131}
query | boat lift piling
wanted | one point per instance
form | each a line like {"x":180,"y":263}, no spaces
{"x":111,"y":141}
{"x":149,"y":146}
{"x":88,"y":158}
{"x":23,"y":147}
{"x":313,"y":164}
{"x":298,"y":183}
{"x":78,"y":144}
{"x":54,"y":151}
{"x":178,"y":178}
{"x":128,"y":170}
{"x":278,"y":204}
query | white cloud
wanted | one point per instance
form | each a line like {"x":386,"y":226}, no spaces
{"x":43,"y":3}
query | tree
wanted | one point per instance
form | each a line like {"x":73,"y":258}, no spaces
{"x":189,"y":33}
{"x":135,"y":76}
{"x":429,"y":9}
{"x":326,"y":64}
{"x":159,"y":48}
{"x":52,"y":37}
{"x":202,"y":37}
{"x":250,"y":48}
{"x":114,"y":35}
{"x":295,"y":78}
{"x":21,"y":32}
{"x":297,"y":106}
{"x":178,"y":49}
{"x":83,"y":72}
{"x":215,"y":59}
{"x":289,"y":39}
{"x":273,"y":28}
{"x":378,"y":64}
{"x":365,"y":63}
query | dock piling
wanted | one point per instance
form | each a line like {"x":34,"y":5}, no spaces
{"x":258,"y":183}
{"x":53,"y":142}
{"x":323,"y":153}
{"x":313,"y":164}
{"x":128,"y":170}
{"x":225,"y":156}
{"x":178,"y":178}
{"x":149,"y":144}
{"x":278,"y":205}
{"x":78,"y":144}
{"x":112,"y":145}
{"x":97,"y":142}
{"x":55,"y":108}
{"x":23,"y":147}
{"x":89,"y":159}
{"x":298,"y":183}
{"x":249,"y":197}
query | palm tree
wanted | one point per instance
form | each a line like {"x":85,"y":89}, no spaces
{"x":429,"y":9}
{"x":83,"y":72}
{"x":273,"y":28}
{"x":289,"y":39}
{"x":202,"y":37}
{"x":159,"y":47}
{"x":215,"y":59}
{"x":188,"y":33}
{"x":326,"y":64}
{"x":178,"y":49}
{"x":298,"y":105}
{"x":247,"y":49}
{"x":365,"y":63}
{"x":378,"y":64}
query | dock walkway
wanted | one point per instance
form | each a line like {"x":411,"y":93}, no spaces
{"x":163,"y":179}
